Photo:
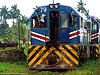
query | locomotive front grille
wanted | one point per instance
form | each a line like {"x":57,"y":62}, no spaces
{"x":59,"y":57}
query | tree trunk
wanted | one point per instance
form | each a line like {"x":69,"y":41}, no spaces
{"x":19,"y":32}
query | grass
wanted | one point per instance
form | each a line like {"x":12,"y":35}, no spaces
{"x":9,"y":48}
{"x":15,"y":67}
{"x":89,"y":68}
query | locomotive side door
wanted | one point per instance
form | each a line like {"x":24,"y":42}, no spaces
{"x":64,"y":31}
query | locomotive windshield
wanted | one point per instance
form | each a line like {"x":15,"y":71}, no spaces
{"x":40,"y":21}
{"x":73,"y":21}
{"x":64,"y":20}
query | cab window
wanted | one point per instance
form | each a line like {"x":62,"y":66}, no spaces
{"x":64,"y":20}
{"x":94,"y":27}
{"x":88,"y":25}
{"x":39,"y":21}
{"x":73,"y":21}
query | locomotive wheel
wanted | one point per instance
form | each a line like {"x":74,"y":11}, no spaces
{"x":93,"y":53}
{"x":83,"y":54}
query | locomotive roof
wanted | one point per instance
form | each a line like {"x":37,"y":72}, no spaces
{"x":46,"y":8}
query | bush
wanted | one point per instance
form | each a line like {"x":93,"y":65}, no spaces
{"x":25,"y":48}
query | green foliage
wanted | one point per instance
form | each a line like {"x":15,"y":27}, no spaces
{"x":23,"y":31}
{"x":3,"y":28}
{"x":25,"y":49}
{"x":9,"y":48}
{"x":89,"y":68}
{"x":14,"y":12}
{"x":16,"y":67}
{"x":4,"y":13}
{"x":9,"y":34}
{"x":12,"y":33}
{"x":1,"y":39}
{"x":81,"y":8}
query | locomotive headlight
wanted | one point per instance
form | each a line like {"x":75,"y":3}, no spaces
{"x":56,"y":6}
{"x":51,"y":6}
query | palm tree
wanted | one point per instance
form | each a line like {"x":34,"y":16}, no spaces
{"x":87,"y":12}
{"x":24,"y":21}
{"x":81,"y":8}
{"x":4,"y":14}
{"x":15,"y":12}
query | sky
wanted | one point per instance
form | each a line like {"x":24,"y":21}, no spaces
{"x":26,"y":6}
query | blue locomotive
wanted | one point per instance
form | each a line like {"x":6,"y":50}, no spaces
{"x":61,"y":38}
